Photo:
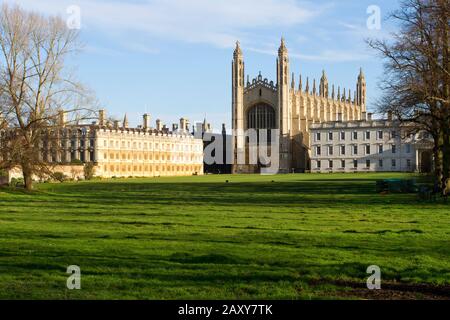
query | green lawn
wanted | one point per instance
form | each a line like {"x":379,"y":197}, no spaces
{"x":256,"y":237}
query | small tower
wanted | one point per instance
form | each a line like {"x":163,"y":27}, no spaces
{"x":284,"y":108}
{"x":323,"y":88}
{"x":237,"y":108}
{"x":361,"y":90}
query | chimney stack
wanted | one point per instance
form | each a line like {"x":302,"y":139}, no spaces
{"x":61,"y":118}
{"x":389,"y":115}
{"x":174,"y":127}
{"x":182,"y":124}
{"x":116,"y":124}
{"x":158,"y":125}
{"x":146,"y":122}
{"x":101,"y":117}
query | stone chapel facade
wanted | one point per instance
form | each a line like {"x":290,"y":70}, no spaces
{"x":263,"y":104}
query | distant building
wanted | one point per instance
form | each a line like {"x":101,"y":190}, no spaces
{"x":369,"y":146}
{"x":220,"y":163}
{"x":119,"y":151}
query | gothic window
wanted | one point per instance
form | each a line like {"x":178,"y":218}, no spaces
{"x":261,"y":116}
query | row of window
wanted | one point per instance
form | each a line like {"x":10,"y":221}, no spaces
{"x":355,"y":135}
{"x":158,"y":146}
{"x":368,"y":149}
{"x":356,"y":163}
{"x":157,"y":157}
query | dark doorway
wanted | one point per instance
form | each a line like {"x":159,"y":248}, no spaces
{"x":426,"y":162}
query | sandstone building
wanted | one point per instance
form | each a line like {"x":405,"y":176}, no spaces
{"x":263,"y":104}
{"x":117,"y":150}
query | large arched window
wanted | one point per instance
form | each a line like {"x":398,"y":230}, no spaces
{"x":261,"y":116}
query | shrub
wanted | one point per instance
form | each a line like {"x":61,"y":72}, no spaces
{"x":88,"y":171}
{"x":17,"y":182}
{"x":59,"y":176}
{"x":76,"y":162}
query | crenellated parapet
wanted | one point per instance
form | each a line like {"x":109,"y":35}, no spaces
{"x":259,"y":81}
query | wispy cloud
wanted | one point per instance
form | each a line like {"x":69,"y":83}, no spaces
{"x":325,"y":55}
{"x":217,"y":22}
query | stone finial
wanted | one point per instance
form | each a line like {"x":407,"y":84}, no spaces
{"x":282,"y":48}
{"x":125,"y":121}
{"x":238,"y":50}
{"x":300,"y":83}
{"x":361,"y":73}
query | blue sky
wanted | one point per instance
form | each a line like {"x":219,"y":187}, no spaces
{"x":172,"y":58}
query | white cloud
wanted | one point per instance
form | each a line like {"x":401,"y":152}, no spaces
{"x":325,"y":55}
{"x":217,"y":22}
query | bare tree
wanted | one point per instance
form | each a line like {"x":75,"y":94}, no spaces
{"x":37,"y":89}
{"x":416,"y":81}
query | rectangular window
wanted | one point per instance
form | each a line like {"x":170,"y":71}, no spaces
{"x":355,"y":135}
{"x":368,"y":135}
{"x":408,"y":148}
{"x":394,"y":134}
{"x":380,"y":163}
{"x":355,"y":164}
{"x":318,"y":164}
{"x":394,"y":163}
{"x":380,"y":134}
{"x":355,"y":149}
{"x":342,"y":163}
{"x":342,"y":150}
{"x":380,"y":148}
{"x":408,"y":163}
{"x":330,"y":164}
{"x":394,"y":148}
{"x":318,"y":150}
{"x":368,"y":164}
{"x":330,"y":150}
{"x":318,"y":136}
{"x":368,"y":149}
{"x":342,"y":135}
{"x":330,"y":136}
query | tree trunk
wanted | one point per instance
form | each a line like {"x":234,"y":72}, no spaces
{"x":27,"y":178}
{"x":437,"y":162}
{"x":445,"y":160}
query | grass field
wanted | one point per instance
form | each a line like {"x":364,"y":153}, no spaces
{"x":256,"y":237}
